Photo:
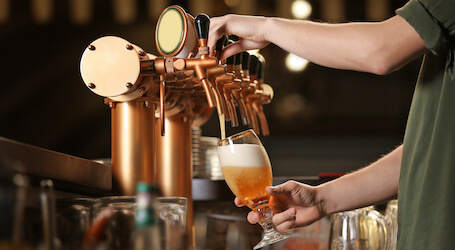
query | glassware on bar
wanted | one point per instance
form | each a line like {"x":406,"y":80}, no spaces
{"x":391,"y":217}
{"x":359,"y":229}
{"x":172,"y":221}
{"x":247,"y":171}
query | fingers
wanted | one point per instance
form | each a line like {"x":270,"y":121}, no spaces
{"x":231,"y":50}
{"x":216,"y":31}
{"x":243,"y":29}
{"x":284,"y":188}
{"x":240,"y":46}
{"x":238,"y":203}
{"x":253,"y":217}
{"x":284,"y":220}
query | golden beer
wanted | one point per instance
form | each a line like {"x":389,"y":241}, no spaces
{"x":248,"y":183}
{"x":247,"y":171}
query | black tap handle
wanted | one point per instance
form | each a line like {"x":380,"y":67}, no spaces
{"x":238,"y":59}
{"x":220,"y":43}
{"x":261,"y":67}
{"x":260,"y":71}
{"x":245,"y":60}
{"x":202,"y":24}
{"x":254,"y":65}
{"x":230,"y":60}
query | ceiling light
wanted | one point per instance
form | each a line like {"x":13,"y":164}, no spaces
{"x":301,"y":9}
{"x":295,"y":63}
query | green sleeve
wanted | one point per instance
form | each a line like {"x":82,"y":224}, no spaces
{"x":434,"y":21}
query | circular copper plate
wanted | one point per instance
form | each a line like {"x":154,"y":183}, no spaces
{"x":109,"y":67}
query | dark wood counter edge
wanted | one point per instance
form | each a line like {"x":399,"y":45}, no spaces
{"x":71,"y":173}
{"x":81,"y":176}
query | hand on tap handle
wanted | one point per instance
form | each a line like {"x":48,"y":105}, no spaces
{"x":248,"y":29}
{"x":219,"y":46}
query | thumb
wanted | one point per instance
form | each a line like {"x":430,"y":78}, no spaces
{"x":281,"y":189}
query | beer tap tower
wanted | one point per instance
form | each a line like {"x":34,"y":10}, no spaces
{"x":155,"y":100}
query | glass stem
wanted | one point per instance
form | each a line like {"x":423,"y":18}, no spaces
{"x":265,"y":220}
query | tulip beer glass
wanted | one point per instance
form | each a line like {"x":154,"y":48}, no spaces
{"x":247,"y":171}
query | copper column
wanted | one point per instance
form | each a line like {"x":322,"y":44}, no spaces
{"x":132,"y":145}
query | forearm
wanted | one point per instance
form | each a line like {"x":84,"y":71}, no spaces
{"x":378,"y":48}
{"x":371,"y":185}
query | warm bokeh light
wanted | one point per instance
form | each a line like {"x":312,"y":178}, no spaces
{"x":301,"y":9}
{"x":295,"y":63}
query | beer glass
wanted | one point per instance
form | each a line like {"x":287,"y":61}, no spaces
{"x":247,"y":171}
{"x":360,"y":229}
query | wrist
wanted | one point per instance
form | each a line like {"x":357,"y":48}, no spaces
{"x":322,"y":199}
{"x":267,"y":28}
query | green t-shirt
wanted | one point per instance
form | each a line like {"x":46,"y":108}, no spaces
{"x":427,"y":181}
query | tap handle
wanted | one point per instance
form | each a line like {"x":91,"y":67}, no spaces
{"x":245,"y":60}
{"x":202,"y":24}
{"x":237,"y":67}
{"x":230,"y":60}
{"x":260,"y":71}
{"x":219,"y":46}
{"x":238,"y":59}
{"x":220,"y":43}
{"x":261,"y":67}
{"x":254,"y":65}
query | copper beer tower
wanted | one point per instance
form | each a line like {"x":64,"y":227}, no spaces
{"x":156,"y":100}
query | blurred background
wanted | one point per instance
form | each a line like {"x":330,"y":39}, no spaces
{"x":321,"y":120}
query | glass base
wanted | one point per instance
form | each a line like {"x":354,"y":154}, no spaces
{"x":271,"y":234}
{"x":271,"y":238}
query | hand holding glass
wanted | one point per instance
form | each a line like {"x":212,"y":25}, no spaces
{"x":247,"y":171}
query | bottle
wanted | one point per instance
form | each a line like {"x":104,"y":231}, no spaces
{"x":147,"y":234}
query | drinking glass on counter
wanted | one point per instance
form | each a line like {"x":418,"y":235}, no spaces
{"x":73,"y":221}
{"x":120,"y":222}
{"x":172,"y":219}
{"x":391,"y":217}
{"x":247,"y":171}
{"x":360,"y":229}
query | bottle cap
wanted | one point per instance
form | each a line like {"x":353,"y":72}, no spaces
{"x":143,"y":187}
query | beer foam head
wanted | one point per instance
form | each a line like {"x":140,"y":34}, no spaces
{"x":243,"y":155}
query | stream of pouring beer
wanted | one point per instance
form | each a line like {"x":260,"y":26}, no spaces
{"x":222,"y":126}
